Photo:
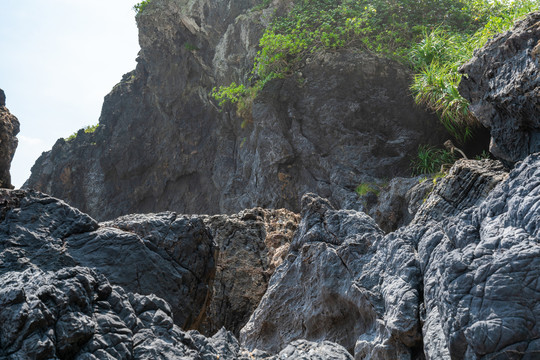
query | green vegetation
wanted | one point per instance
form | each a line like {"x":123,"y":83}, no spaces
{"x":431,"y":160}
{"x":262,"y":5}
{"x":139,"y":7}
{"x":190,"y":47}
{"x":434,"y":37}
{"x":88,"y":130}
{"x":438,"y":56}
{"x":366,"y":188}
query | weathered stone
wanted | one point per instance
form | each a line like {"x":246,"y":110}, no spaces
{"x":502,"y":82}
{"x":250,"y":245}
{"x":467,"y":183}
{"x":213,"y":270}
{"x":9,"y":128}
{"x":343,"y":282}
{"x":481,"y":293}
{"x":346,"y":118}
{"x":457,"y":284}
{"x":173,"y":260}
{"x":76,"y":313}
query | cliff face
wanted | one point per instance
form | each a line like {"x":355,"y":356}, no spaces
{"x":9,"y":128}
{"x":162,"y":143}
{"x":502,"y":82}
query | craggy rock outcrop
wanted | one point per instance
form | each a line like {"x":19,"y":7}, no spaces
{"x":502,"y":82}
{"x":343,"y":282}
{"x":9,"y":128}
{"x":456,"y":286}
{"x":394,"y":204}
{"x":176,"y":262}
{"x":213,"y":271}
{"x":162,"y":143}
{"x":76,"y":313}
{"x":481,"y":270}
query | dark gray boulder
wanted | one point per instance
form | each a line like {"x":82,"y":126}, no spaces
{"x":212,"y":270}
{"x":163,"y":144}
{"x":9,"y":128}
{"x":502,"y":82}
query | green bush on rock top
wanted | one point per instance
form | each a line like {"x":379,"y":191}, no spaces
{"x":139,"y":7}
{"x":434,"y":37}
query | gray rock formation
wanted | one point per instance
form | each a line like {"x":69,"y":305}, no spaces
{"x":9,"y":128}
{"x":460,"y":284}
{"x":162,"y":143}
{"x":213,"y":271}
{"x":502,"y":82}
{"x":42,"y":232}
{"x":75,"y":313}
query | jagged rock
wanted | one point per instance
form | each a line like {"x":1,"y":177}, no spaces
{"x":175,"y":261}
{"x":456,"y":286}
{"x":76,"y":313}
{"x":394,"y":204}
{"x":502,"y":82}
{"x":343,"y":282}
{"x":9,"y":128}
{"x":347,"y":117}
{"x":466,"y":184}
{"x":250,"y":245}
{"x":480,"y":275}
{"x":213,"y":270}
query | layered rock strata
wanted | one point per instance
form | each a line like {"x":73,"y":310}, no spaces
{"x":163,"y":144}
{"x":9,"y":128}
{"x":502,"y":82}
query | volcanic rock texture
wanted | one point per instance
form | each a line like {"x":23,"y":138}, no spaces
{"x":9,"y":128}
{"x":459,"y":282}
{"x":163,"y":144}
{"x":502,"y":82}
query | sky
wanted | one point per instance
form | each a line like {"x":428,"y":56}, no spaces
{"x":58,"y":60}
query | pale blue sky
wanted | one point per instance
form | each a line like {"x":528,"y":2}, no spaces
{"x":58,"y":60}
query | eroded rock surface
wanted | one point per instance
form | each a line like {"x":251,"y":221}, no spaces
{"x":163,"y":144}
{"x":175,"y":262}
{"x":76,"y":313}
{"x":212,"y":270}
{"x":459,"y":284}
{"x":250,"y":245}
{"x":9,"y":128}
{"x":502,"y":82}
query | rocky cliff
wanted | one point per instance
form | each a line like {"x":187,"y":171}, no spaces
{"x":9,"y":128}
{"x":162,"y":143}
{"x":502,"y":82}
{"x":459,"y":281}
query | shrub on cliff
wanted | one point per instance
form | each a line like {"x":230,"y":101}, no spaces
{"x":139,"y":7}
{"x":433,"y":36}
